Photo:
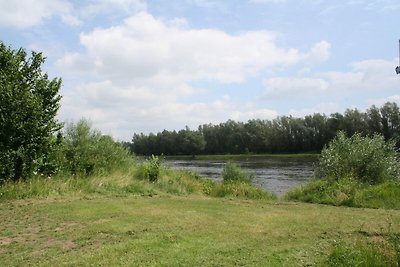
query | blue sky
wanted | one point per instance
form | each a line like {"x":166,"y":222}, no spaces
{"x":144,"y":66}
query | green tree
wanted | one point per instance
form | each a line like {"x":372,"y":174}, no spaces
{"x":29,"y":102}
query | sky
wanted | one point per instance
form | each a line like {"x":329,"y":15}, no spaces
{"x":132,"y":66}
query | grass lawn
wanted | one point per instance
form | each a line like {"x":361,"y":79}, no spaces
{"x":169,"y":230}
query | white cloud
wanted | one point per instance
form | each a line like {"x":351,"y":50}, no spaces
{"x":254,"y":113}
{"x":319,"y":52}
{"x":144,"y":47}
{"x":128,"y":7}
{"x":204,"y":3}
{"x":28,"y":13}
{"x":142,"y":71}
{"x":268,"y":1}
{"x":382,"y":101}
{"x":322,"y":108}
{"x":284,"y":86}
{"x":365,"y":77}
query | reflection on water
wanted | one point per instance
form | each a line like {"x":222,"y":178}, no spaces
{"x":276,"y":175}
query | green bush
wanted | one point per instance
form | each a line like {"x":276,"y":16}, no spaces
{"x":86,"y":151}
{"x":369,"y":160}
{"x":232,"y":172}
{"x":149,"y":170}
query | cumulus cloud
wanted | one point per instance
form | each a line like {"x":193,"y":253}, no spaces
{"x":319,"y":52}
{"x":381,"y":101}
{"x":145,"y":47}
{"x":141,"y":73}
{"x":28,"y":13}
{"x":365,"y":76}
{"x":284,"y":86}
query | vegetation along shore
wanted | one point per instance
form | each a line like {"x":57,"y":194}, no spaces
{"x":70,"y":195}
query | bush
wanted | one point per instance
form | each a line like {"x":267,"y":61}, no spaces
{"x":149,"y":170}
{"x":369,"y":160}
{"x":86,"y":151}
{"x":232,"y":172}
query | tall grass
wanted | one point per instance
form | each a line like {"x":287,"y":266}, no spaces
{"x":357,"y":172}
{"x":348,"y":192}
{"x":233,"y":173}
{"x":117,"y":183}
{"x":361,"y":254}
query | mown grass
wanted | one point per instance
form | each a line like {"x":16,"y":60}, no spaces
{"x":181,"y":219}
{"x":95,"y":230}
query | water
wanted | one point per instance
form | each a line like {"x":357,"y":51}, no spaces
{"x":276,"y":175}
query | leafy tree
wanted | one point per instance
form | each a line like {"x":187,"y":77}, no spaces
{"x":29,"y":102}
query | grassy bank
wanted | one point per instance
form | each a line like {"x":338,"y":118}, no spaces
{"x":183,"y":231}
{"x":129,"y":182}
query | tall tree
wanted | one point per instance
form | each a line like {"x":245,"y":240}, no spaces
{"x":29,"y":102}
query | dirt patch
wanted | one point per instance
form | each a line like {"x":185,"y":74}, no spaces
{"x":64,"y":244}
{"x":4,"y":241}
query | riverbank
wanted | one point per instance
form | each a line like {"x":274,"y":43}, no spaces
{"x":193,"y":230}
{"x":241,"y":156}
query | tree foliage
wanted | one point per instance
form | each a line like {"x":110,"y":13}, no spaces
{"x":86,"y":151}
{"x":29,"y":101}
{"x":284,"y":134}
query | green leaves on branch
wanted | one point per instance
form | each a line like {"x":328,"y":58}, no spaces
{"x":29,"y":102}
{"x":150,"y":169}
{"x":369,"y":160}
{"x":86,"y":151}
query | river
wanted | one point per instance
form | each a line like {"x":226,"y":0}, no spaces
{"x":274,"y":174}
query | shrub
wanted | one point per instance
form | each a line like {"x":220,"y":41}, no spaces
{"x":369,"y":160}
{"x":232,"y":172}
{"x":149,"y":170}
{"x":87,"y":151}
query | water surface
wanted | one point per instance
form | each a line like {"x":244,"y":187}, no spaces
{"x":276,"y":175}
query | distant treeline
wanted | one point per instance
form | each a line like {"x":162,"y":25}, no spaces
{"x":284,"y":134}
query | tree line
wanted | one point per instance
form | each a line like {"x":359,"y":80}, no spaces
{"x":285,"y":134}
